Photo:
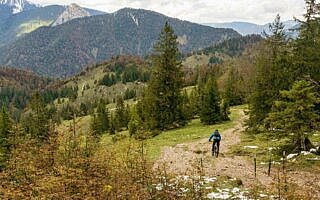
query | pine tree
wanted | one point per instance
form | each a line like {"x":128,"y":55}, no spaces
{"x":210,"y":103}
{"x":163,"y":96}
{"x":294,"y":114}
{"x":100,"y":120}
{"x":5,"y":131}
{"x":36,"y":122}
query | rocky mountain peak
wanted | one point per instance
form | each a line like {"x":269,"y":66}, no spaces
{"x":17,"y":5}
{"x":72,"y":11}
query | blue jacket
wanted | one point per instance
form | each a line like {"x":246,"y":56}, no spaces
{"x":216,"y":136}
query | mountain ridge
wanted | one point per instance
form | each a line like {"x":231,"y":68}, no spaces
{"x":17,"y":6}
{"x":66,"y":49}
{"x":73,"y":11}
{"x":12,"y":26}
{"x":248,"y":28}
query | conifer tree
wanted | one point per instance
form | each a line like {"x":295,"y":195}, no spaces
{"x":162,"y":101}
{"x":100,"y":119}
{"x":307,"y":45}
{"x":121,"y":114}
{"x":210,"y":112}
{"x":5,"y":131}
{"x":36,"y":122}
{"x":232,"y":94}
{"x":271,"y":74}
{"x":294,"y":114}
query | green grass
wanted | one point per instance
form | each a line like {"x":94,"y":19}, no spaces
{"x":265,"y":141}
{"x":31,"y":26}
{"x":195,"y":130}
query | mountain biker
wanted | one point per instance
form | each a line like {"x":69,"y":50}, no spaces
{"x":216,"y":140}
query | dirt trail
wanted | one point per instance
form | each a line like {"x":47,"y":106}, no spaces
{"x":184,"y":158}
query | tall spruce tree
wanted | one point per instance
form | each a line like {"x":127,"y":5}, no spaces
{"x":122,"y":113}
{"x":210,"y":112}
{"x":294,"y":113}
{"x":307,"y":45}
{"x":162,"y":101}
{"x":5,"y":131}
{"x":100,"y":120}
{"x":36,"y":122}
{"x":271,"y":74}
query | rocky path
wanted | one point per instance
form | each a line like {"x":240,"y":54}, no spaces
{"x":184,"y":159}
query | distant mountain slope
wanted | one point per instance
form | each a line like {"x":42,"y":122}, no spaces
{"x":22,"y":78}
{"x":233,"y":47}
{"x":17,"y":6}
{"x":71,"y":12}
{"x":17,"y":86}
{"x":5,"y":12}
{"x":246,"y":28}
{"x":66,"y":49}
{"x":14,"y":26}
{"x":27,"y":21}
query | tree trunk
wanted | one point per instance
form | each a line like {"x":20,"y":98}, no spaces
{"x":303,"y":144}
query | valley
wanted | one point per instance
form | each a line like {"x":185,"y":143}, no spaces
{"x":120,"y":103}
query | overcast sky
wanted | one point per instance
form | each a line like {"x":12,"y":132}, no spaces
{"x":201,"y":11}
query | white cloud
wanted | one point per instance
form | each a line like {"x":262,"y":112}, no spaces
{"x":201,"y":11}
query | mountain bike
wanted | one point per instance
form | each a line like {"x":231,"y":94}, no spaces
{"x":215,"y":149}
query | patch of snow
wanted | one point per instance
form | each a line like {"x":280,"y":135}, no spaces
{"x":135,"y":20}
{"x":313,"y":150}
{"x":209,"y":188}
{"x":159,"y":186}
{"x":305,"y":153}
{"x":251,"y":147}
{"x":184,"y":190}
{"x":235,"y":190}
{"x":209,"y":179}
{"x":263,"y":195}
{"x":222,"y":195}
{"x":290,"y":156}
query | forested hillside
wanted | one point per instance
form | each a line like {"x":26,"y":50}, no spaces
{"x":137,"y":127}
{"x":16,"y":87}
{"x":65,"y":50}
{"x":13,"y":26}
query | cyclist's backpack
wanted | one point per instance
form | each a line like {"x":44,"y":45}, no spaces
{"x":217,"y":136}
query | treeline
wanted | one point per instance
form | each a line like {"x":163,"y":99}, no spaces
{"x":164,"y":105}
{"x":285,"y":99}
{"x":234,"y":46}
{"x":122,"y":73}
